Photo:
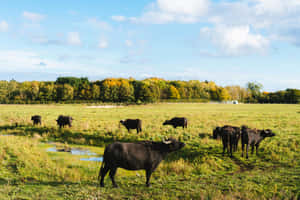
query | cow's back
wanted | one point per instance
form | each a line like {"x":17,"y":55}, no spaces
{"x":131,"y":156}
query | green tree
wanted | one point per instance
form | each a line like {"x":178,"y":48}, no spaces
{"x":173,"y":93}
{"x":64,"y":92}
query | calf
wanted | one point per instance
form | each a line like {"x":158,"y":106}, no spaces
{"x":62,"y":121}
{"x":177,"y":121}
{"x":37,"y":119}
{"x":135,"y":156}
{"x":253,"y":137}
{"x":132,"y":124}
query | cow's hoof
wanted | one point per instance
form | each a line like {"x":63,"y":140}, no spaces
{"x":148,"y":185}
{"x":115,"y":186}
{"x":101,"y":185}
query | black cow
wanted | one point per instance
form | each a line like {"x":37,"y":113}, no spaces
{"x":132,"y":124}
{"x":230,"y":137}
{"x":135,"y":156}
{"x":177,"y":121}
{"x":62,"y":121}
{"x":217,"y":132}
{"x":37,"y":119}
{"x":253,"y":137}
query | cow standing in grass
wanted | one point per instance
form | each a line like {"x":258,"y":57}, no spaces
{"x":135,"y":156}
{"x":230,"y":137}
{"x":63,"y":121}
{"x":177,"y":121}
{"x":253,"y":137}
{"x":132,"y":124}
{"x":36,"y":119}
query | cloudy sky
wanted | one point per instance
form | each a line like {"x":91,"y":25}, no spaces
{"x":226,"y":41}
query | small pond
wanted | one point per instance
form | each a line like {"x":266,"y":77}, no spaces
{"x":78,"y":151}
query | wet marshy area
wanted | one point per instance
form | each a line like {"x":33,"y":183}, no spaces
{"x":76,"y":151}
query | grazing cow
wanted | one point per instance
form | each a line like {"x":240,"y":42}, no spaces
{"x":62,"y":121}
{"x":37,"y":119}
{"x":230,"y":137}
{"x":132,"y":124}
{"x":135,"y":156}
{"x":177,"y":121}
{"x":253,"y":137}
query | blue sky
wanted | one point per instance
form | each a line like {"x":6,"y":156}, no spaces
{"x":229,"y":42}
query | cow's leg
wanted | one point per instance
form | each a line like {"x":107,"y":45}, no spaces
{"x":231,"y":146}
{"x":112,"y":173}
{"x":247,"y":148}
{"x":256,"y":148}
{"x":137,"y":130}
{"x":128,"y":130}
{"x":243,"y":149}
{"x":252,"y":149}
{"x":148,"y":175}
{"x":224,"y":146}
{"x":103,"y":171}
{"x":228,"y":148}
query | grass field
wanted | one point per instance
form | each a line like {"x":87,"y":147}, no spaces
{"x":198,"y":171}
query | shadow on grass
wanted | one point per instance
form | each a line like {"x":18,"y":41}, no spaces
{"x":45,"y":183}
{"x":243,"y":166}
{"x":203,"y":135}
{"x":67,"y":135}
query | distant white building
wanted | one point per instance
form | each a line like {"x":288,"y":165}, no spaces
{"x":231,"y":102}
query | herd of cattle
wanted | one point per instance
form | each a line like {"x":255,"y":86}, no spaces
{"x":148,"y":154}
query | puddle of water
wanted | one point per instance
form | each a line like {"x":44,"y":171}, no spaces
{"x":81,"y":152}
{"x":75,"y":151}
{"x":96,"y":159}
{"x":52,"y":149}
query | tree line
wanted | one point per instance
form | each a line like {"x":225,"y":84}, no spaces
{"x":120,"y":90}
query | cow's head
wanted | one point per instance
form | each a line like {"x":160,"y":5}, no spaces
{"x":267,"y":133}
{"x":217,"y":132}
{"x":173,"y":144}
{"x":166,"y":122}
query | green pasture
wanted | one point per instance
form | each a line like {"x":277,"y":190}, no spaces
{"x":198,"y":171}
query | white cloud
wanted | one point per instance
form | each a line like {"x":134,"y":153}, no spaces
{"x":23,"y":61}
{"x":103,"y":44}
{"x":3,"y":26}
{"x":34,"y":17}
{"x":74,"y":38}
{"x":186,"y":7}
{"x":118,"y":18}
{"x":99,"y":24}
{"x":166,"y":11}
{"x":236,"y":40}
{"x":276,"y":7}
{"x":128,"y":43}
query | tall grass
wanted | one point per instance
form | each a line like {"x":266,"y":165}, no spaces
{"x":198,"y":171}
